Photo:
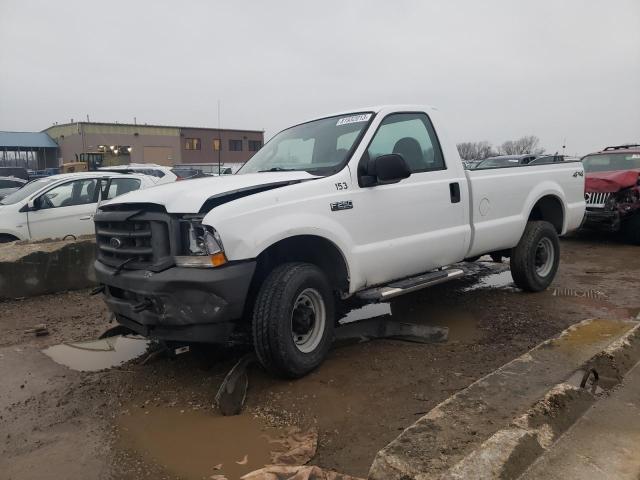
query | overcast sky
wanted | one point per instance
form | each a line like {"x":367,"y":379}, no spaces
{"x":498,"y":69}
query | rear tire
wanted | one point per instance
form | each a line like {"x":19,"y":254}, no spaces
{"x":631,"y":229}
{"x":293,"y":320}
{"x":534,"y":261}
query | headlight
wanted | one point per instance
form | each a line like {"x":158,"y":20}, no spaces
{"x":204,"y":248}
{"x":629,"y":195}
{"x":611,"y":202}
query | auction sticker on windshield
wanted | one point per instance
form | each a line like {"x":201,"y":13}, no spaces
{"x":354,"y":119}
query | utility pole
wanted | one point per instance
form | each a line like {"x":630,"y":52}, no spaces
{"x":219,"y":139}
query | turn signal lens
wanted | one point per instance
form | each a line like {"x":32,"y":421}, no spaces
{"x":218,"y":259}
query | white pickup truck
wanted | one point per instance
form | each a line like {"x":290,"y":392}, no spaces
{"x":363,"y":205}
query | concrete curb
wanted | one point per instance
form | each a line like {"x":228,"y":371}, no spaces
{"x":507,"y":452}
{"x":510,"y":451}
{"x":36,"y":268}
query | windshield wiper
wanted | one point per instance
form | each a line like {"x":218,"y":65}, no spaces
{"x":277,"y":169}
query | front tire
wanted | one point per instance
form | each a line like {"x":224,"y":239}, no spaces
{"x":6,"y":238}
{"x":293,"y":320}
{"x":534,"y":261}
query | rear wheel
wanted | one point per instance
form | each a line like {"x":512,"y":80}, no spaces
{"x":293,"y":320}
{"x":534,"y":261}
{"x":631,"y":229}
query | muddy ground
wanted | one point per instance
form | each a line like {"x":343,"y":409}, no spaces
{"x":157,"y":420}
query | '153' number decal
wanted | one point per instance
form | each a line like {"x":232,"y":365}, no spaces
{"x":341,"y":186}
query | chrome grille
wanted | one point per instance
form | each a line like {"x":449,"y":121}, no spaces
{"x":136,"y":236}
{"x":128,"y":241}
{"x":596,"y":199}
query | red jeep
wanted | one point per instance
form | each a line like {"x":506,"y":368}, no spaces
{"x":612,"y":190}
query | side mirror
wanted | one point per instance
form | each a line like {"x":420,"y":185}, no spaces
{"x":29,"y":207}
{"x":385,"y":169}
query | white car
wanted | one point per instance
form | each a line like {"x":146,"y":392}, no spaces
{"x":158,"y":173}
{"x":363,"y":205}
{"x":9,"y":185}
{"x":62,"y":206}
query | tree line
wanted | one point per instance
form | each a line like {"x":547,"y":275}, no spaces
{"x":484,"y":149}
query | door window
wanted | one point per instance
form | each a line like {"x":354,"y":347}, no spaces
{"x":412,"y":136}
{"x":78,"y":192}
{"x":120,"y":186}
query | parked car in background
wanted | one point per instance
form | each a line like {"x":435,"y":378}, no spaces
{"x":159,"y":173}
{"x":502,"y":161}
{"x":612,"y":190}
{"x":9,"y":185}
{"x":363,"y":205}
{"x":47,"y":172}
{"x":62,"y":206}
{"x":18,"y":172}
{"x":187,"y":173}
{"x":210,"y":168}
{"x":470,"y":164}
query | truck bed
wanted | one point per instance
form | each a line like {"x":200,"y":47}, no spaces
{"x":497,"y":196}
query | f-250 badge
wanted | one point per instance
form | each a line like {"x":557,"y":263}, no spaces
{"x":344,"y":205}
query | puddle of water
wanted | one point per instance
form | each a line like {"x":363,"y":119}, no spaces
{"x":463,"y":327}
{"x":97,"y":355}
{"x":496,"y":280}
{"x":368,"y":311}
{"x":198,"y":445}
{"x":594,"y":331}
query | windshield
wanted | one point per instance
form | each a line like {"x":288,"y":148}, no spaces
{"x":610,"y":162}
{"x":25,"y":191}
{"x":319,"y":147}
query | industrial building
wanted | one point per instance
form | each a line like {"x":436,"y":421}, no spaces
{"x":106,"y":144}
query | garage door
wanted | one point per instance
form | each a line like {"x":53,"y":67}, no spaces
{"x":159,"y":155}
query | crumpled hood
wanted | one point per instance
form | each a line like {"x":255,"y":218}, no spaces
{"x":610,"y":182}
{"x":188,"y":196}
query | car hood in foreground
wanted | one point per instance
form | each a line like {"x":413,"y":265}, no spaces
{"x":190,"y":196}
{"x":611,"y":182}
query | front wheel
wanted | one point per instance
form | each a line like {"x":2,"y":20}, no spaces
{"x":534,"y":261}
{"x":293,"y":320}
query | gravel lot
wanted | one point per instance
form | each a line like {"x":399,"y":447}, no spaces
{"x":61,"y":423}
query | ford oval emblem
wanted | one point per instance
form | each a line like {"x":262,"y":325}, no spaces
{"x":115,"y":242}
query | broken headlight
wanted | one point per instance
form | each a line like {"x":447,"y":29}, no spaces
{"x":610,"y":203}
{"x":629,"y":195}
{"x":203,"y":247}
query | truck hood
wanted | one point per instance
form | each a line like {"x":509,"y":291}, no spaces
{"x":189,"y":196}
{"x":611,"y":182}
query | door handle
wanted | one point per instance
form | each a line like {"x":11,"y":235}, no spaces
{"x":90,"y":217}
{"x":454,"y":191}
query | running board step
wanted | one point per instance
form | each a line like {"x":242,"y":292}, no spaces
{"x":408,"y":285}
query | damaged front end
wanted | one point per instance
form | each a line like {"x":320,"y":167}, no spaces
{"x":166,"y":276}
{"x":610,"y":211}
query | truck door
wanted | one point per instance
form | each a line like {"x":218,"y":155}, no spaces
{"x":419,"y":223}
{"x":64,"y":210}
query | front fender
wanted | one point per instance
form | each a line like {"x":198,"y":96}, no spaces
{"x":14,"y":233}
{"x":246,"y":243}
